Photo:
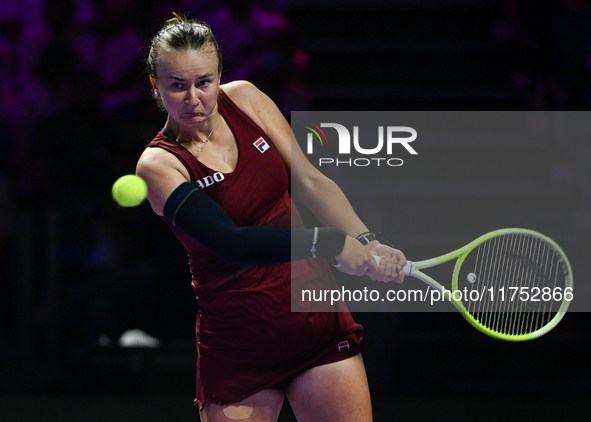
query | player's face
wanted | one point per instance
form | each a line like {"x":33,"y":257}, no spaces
{"x":188,"y":83}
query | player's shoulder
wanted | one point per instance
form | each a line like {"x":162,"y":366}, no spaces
{"x":240,"y":88}
{"x":243,"y":93}
{"x":152,"y":154}
{"x":251,"y":100}
{"x":155,"y":158}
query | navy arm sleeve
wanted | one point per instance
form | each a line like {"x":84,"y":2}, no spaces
{"x":204,"y":220}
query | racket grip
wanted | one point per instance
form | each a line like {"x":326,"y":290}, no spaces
{"x":408,"y":269}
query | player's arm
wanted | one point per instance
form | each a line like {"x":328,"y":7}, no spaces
{"x":163,"y":173}
{"x":186,"y":207}
{"x":319,"y":193}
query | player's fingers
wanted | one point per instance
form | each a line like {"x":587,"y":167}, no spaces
{"x":394,"y":272}
{"x":386,"y":274}
{"x":385,"y":264}
{"x":375,"y":273}
{"x":399,"y":277}
{"x":401,"y":261}
{"x":371,"y":266}
{"x":386,"y":270}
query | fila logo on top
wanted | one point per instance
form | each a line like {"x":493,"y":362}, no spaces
{"x":343,"y":345}
{"x":261,"y":144}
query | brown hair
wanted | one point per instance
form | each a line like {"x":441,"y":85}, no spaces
{"x":181,"y":33}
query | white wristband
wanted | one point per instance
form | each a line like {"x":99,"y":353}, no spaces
{"x":313,"y":249}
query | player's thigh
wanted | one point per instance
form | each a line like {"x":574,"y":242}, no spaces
{"x":334,"y":392}
{"x":263,"y":406}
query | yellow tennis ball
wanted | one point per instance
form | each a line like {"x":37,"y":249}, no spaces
{"x":129,"y":190}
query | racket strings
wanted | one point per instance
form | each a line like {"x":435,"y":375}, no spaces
{"x":519,"y":285}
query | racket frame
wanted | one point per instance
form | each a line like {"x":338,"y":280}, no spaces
{"x":413,"y":269}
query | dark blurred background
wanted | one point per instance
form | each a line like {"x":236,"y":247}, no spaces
{"x":77,"y":271}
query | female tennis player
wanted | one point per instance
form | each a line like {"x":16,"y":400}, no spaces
{"x":219,"y":174}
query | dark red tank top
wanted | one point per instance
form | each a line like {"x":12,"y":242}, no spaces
{"x":247,"y":337}
{"x":255,"y":193}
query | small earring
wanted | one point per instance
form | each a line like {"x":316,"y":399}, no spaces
{"x":156,"y":94}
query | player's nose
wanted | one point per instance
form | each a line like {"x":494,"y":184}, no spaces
{"x":192,"y":96}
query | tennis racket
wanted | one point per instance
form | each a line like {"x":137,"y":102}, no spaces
{"x":511,"y":284}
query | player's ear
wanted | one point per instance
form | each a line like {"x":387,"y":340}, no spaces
{"x":154,"y":82}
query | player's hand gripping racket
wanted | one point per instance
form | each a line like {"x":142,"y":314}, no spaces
{"x":511,"y":284}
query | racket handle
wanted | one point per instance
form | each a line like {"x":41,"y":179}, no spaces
{"x":408,"y":268}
